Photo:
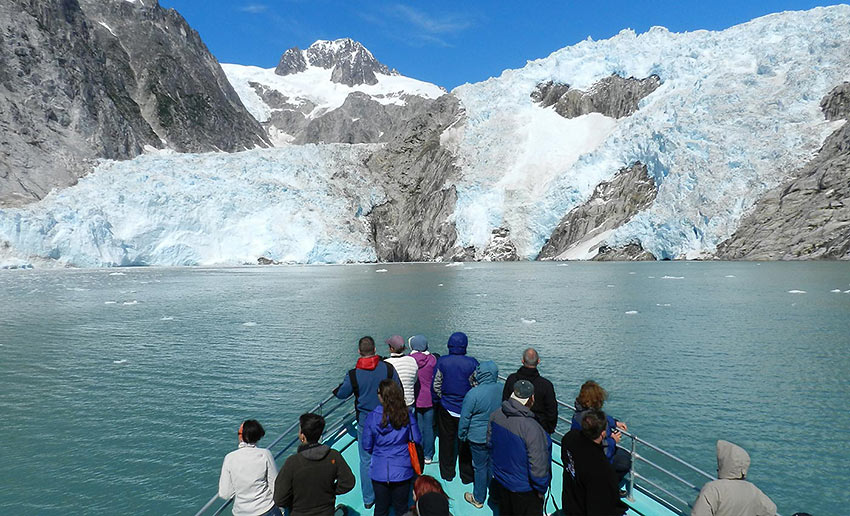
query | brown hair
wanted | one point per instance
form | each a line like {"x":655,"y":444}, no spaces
{"x":591,"y":395}
{"x":427,"y":484}
{"x":392,"y":399}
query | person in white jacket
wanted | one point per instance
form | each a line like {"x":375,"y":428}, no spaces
{"x":731,"y":494}
{"x":248,"y":474}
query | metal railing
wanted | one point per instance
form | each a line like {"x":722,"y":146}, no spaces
{"x":335,"y":432}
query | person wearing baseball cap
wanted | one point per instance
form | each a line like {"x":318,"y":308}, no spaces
{"x":516,"y":438}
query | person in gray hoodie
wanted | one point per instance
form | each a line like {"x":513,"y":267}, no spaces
{"x":481,"y":401}
{"x":731,"y":494}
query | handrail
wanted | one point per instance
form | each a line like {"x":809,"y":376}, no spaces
{"x":286,"y":432}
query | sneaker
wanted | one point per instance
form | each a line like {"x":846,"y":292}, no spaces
{"x":429,"y":461}
{"x":369,"y":505}
{"x":471,"y":499}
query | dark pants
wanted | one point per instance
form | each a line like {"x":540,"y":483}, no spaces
{"x":451,"y":449}
{"x":622,"y":462}
{"x":391,"y":494}
{"x":518,"y":504}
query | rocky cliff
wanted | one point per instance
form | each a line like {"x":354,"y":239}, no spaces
{"x":103,"y":79}
{"x":613,"y":96}
{"x":351,"y":63}
{"x":808,"y":216}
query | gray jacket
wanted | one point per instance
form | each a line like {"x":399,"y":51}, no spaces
{"x":730,"y":494}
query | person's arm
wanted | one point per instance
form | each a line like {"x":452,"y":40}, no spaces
{"x":538,"y":447}
{"x":225,"y":483}
{"x":283,"y":485}
{"x":271,"y":470}
{"x":551,"y":410}
{"x":414,"y":429}
{"x":768,"y":507}
{"x":704,"y":504}
{"x":465,"y":420}
{"x":509,"y":387}
{"x":345,"y":479}
{"x":368,"y":435}
{"x":344,"y":389}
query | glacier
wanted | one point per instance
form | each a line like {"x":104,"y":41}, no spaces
{"x":301,"y":204}
{"x":736,"y":113}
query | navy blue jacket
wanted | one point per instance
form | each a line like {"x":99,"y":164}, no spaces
{"x":479,"y":403}
{"x":521,"y":450}
{"x":369,"y":373}
{"x":609,"y":444}
{"x":453,"y":373}
{"x":388,"y":446}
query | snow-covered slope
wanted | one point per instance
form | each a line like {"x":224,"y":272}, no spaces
{"x":285,"y":104}
{"x":295,"y":204}
{"x":737,"y":111}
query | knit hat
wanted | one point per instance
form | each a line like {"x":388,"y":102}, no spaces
{"x":523,"y":389}
{"x":418,"y":343}
{"x":396,"y":343}
{"x":433,"y":504}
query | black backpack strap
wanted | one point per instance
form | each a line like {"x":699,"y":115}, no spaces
{"x":390,"y":370}
{"x":355,"y":387}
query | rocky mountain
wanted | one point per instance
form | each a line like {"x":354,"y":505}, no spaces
{"x":808,"y":216}
{"x":731,"y":144}
{"x":89,"y":79}
{"x":331,"y":92}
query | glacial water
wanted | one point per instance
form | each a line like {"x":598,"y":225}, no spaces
{"x":121,"y":389}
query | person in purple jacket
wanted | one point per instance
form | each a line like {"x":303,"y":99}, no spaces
{"x":424,"y":401}
{"x":452,"y":380}
{"x":386,"y":433}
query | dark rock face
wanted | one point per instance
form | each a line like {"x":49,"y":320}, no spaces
{"x":612,"y":204}
{"x":632,"y":252}
{"x":807,"y":217}
{"x":351,"y":62}
{"x":613,"y":96}
{"x":103,"y":79}
{"x":415,"y":223}
{"x":500,"y":248}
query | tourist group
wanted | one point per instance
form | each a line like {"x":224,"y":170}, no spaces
{"x":496,"y":437}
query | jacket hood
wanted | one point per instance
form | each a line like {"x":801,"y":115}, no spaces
{"x":457,"y":343}
{"x":314,"y":451}
{"x":512,"y":408}
{"x":418,"y":343}
{"x":732,"y":461}
{"x":486,"y":372}
{"x":368,"y":363}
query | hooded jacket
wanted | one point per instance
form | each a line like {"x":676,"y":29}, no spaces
{"x":545,"y":404}
{"x":426,"y":363}
{"x":730,"y":494}
{"x":521,"y":450}
{"x":311,"y":479}
{"x":369,"y":372}
{"x":453,"y":373}
{"x":479,"y":403}
{"x":590,"y":482}
{"x":609,"y":445}
{"x":388,"y":446}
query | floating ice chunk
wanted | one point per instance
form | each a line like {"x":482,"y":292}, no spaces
{"x":381,"y":270}
{"x":117,"y":274}
{"x":166,"y":318}
{"x":847,"y":291}
{"x":454,"y":264}
{"x":631,"y":312}
{"x":439,"y":284}
{"x":110,"y":302}
{"x":563,"y":265}
{"x":796,"y":291}
{"x":610,"y":286}
{"x":480,"y":295}
{"x":119,"y":361}
{"x":730,"y":275}
{"x":672,"y":277}
{"x":836,"y":291}
{"x":133,"y":302}
{"x":663,"y":304}
{"x":632,"y":273}
{"x":651,"y":277}
{"x":77,"y":289}
{"x":249,"y":323}
{"x":529,"y":321}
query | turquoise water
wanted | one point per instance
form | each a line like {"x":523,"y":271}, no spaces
{"x":129,"y":407}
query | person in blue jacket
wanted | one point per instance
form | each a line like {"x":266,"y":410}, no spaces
{"x":521,"y":452}
{"x":478,"y":404}
{"x":452,"y":380}
{"x":386,"y":432}
{"x":363,"y":381}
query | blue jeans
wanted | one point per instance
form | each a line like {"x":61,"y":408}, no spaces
{"x":483,"y":470}
{"x":425,"y":422}
{"x":365,"y":463}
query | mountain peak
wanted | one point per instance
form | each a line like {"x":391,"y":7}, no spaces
{"x":351,"y":62}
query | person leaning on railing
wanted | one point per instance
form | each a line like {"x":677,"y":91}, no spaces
{"x":311,"y":479}
{"x":731,"y":494}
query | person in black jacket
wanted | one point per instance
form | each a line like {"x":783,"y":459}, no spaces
{"x":310,"y":480}
{"x":590,"y":485}
{"x":545,"y":404}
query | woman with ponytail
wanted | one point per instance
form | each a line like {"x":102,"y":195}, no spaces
{"x":386,"y":433}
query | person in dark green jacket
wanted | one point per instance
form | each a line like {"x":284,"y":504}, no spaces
{"x":481,"y":401}
{"x":312,"y":478}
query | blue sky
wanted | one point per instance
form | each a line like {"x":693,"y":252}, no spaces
{"x":447,"y":42}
